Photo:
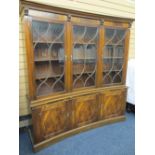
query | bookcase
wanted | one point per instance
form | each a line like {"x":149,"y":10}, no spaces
{"x":77,"y":70}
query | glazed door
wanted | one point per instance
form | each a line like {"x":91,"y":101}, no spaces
{"x":114,"y":55}
{"x":84,"y":52}
{"x":49,"y":51}
{"x":50,"y":120}
{"x":84,"y":110}
{"x":113,"y":103}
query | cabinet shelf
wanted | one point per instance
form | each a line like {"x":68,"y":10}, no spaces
{"x":77,"y":73}
{"x":58,"y":75}
{"x":82,"y":43}
{"x":47,"y":76}
{"x":113,"y":58}
{"x":46,"y":59}
{"x":82,"y":60}
{"x":115,"y":70}
{"x":47,"y":42}
{"x":114,"y":45}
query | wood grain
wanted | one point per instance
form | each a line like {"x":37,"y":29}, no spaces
{"x":30,"y":56}
{"x":113,"y":103}
{"x":61,"y":136}
{"x":49,"y":120}
{"x":84,"y":110}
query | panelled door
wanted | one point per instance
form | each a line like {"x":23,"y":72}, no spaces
{"x":49,"y":51}
{"x":112,"y":103}
{"x":50,"y":120}
{"x":84,"y":110}
{"x":84,"y":40}
{"x":114,"y":54}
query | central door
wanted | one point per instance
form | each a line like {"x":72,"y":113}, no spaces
{"x":84,"y":52}
{"x":84,"y":110}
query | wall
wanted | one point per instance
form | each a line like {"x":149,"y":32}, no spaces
{"x":118,"y":8}
{"x":23,"y":79}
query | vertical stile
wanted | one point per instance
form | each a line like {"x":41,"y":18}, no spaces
{"x":100,"y":54}
{"x":69,"y":54}
{"x":126,"y":51}
{"x":30,"y":56}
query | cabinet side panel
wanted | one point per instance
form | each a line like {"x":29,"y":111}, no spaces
{"x":37,"y":128}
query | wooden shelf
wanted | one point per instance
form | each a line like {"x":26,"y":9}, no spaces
{"x":84,"y":60}
{"x":53,"y":76}
{"x":113,"y":58}
{"x":115,"y":70}
{"x":84,"y":43}
{"x":114,"y":45}
{"x":82,"y":73}
{"x":47,"y":76}
{"x":46,"y":59}
{"x":48,"y":42}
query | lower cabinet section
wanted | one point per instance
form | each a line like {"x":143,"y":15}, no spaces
{"x":56,"y":119}
{"x":112,"y":103}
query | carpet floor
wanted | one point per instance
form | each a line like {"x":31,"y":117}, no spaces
{"x":113,"y":139}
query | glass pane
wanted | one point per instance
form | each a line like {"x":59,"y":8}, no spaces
{"x":47,"y":15}
{"x":47,"y":32}
{"x":84,"y":56}
{"x":113,"y":55}
{"x":48,"y":43}
{"x":84,"y":34}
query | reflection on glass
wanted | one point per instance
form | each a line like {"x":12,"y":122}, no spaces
{"x":43,"y":31}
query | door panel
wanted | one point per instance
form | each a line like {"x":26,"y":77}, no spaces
{"x":84,"y":52}
{"x":84,"y":110}
{"x":50,"y":120}
{"x":113,"y":103}
{"x":49,"y":50}
{"x":113,"y":56}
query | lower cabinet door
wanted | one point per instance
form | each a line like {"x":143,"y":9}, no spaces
{"x":49,"y":120}
{"x":84,"y":110}
{"x":113,"y":103}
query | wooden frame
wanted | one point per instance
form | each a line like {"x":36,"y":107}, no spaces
{"x":30,"y":58}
